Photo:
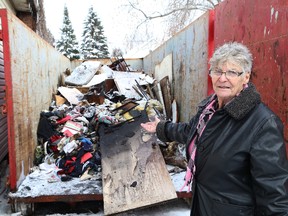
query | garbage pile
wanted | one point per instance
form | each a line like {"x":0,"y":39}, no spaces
{"x":92,"y":95}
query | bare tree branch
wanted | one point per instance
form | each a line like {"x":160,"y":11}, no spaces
{"x":174,"y":16}
{"x":186,"y":7}
{"x":138,"y":9}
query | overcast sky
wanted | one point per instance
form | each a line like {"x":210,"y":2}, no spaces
{"x":116,"y":18}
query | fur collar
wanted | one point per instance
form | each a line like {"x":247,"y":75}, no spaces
{"x":241,"y":105}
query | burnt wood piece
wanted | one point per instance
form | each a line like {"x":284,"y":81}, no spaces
{"x":126,"y":107}
{"x":134,"y":173}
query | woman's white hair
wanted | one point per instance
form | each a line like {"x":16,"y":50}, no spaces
{"x":232,"y":52}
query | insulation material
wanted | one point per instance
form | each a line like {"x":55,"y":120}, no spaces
{"x":73,"y":95}
{"x":82,"y":74}
{"x":97,"y":79}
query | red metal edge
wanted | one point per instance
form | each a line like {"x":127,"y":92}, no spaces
{"x":9,"y":100}
{"x":184,"y":194}
{"x":57,"y":198}
{"x":210,"y":46}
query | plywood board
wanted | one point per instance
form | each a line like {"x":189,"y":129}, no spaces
{"x":164,"y":68}
{"x":166,"y":93}
{"x":125,"y":87}
{"x":134,"y":173}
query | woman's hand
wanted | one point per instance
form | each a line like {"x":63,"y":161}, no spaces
{"x":151,"y":126}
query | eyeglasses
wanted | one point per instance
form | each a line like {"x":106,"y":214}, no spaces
{"x":229,"y":74}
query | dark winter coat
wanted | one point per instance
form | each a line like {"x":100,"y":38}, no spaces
{"x":241,"y":164}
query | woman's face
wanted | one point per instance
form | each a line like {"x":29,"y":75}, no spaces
{"x":227,"y":88}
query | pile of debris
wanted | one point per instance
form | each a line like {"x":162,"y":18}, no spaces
{"x":94,"y":95}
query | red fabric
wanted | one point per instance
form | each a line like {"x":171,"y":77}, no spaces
{"x":63,"y":120}
{"x":68,"y":133}
{"x":54,"y":138}
{"x":86,"y":157}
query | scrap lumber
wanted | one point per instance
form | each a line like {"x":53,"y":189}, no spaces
{"x":134,"y":173}
{"x":166,"y":92}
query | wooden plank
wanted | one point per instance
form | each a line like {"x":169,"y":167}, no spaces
{"x":134,"y":173}
{"x":166,"y":92}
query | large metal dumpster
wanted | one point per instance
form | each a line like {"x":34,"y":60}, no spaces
{"x":32,"y":67}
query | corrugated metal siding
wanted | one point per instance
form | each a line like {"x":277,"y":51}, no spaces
{"x":262,"y":26}
{"x":190,"y":54}
{"x":3,"y":115}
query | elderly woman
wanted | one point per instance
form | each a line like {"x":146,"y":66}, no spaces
{"x":235,"y":145}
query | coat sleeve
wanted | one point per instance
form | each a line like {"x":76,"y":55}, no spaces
{"x":180,"y":132}
{"x":269,"y":169}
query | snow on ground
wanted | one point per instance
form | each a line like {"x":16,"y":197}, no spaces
{"x":4,"y":172}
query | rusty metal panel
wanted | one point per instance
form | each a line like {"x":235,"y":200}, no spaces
{"x":3,"y":115}
{"x":35,"y":69}
{"x":189,"y":63}
{"x":262,"y":26}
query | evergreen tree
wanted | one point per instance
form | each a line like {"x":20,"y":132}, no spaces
{"x":68,"y":44}
{"x":93,"y":40}
{"x":117,"y":52}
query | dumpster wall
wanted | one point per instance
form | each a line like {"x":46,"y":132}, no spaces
{"x":32,"y":72}
{"x":136,"y":64}
{"x":189,"y":49}
{"x":262,"y":26}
